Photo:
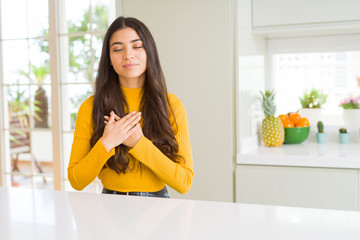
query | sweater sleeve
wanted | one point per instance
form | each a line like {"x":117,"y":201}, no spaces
{"x":177,"y":175}
{"x":85,"y":162}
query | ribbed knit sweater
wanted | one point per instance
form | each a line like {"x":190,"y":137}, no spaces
{"x":158,"y":170}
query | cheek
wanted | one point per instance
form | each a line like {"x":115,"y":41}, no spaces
{"x":144,"y":59}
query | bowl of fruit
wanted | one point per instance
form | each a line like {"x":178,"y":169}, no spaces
{"x":296,"y":128}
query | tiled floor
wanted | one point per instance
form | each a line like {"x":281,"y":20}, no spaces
{"x":23,"y":178}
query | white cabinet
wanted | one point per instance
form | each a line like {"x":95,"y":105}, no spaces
{"x":275,"y":16}
{"x":327,"y":188}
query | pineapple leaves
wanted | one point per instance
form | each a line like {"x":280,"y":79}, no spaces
{"x":268,"y":102}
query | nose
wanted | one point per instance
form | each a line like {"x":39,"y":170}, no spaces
{"x":128,"y":54}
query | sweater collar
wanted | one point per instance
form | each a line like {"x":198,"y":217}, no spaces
{"x":132,"y":92}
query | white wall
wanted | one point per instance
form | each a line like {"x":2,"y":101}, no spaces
{"x":251,"y":71}
{"x":195,"y":40}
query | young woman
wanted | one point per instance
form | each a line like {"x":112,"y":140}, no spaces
{"x":132,"y":134}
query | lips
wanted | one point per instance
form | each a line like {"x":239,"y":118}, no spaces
{"x":130,"y":66}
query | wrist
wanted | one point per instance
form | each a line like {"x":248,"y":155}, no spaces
{"x":106,"y":145}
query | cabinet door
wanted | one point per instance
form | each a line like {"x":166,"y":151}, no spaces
{"x":285,"y":12}
{"x":297,"y":186}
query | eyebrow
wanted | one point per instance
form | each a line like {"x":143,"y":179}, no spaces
{"x":132,"y":41}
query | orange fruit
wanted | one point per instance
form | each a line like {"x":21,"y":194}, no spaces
{"x":295,"y":118}
{"x":283,"y":117}
{"x":304,"y":121}
{"x":288,"y":124}
{"x":301,"y":124}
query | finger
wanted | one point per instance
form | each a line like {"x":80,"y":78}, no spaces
{"x":117,"y":118}
{"x":106,"y":117}
{"x":112,"y":118}
{"x":132,"y":122}
{"x":105,"y":122}
{"x":126,"y":117}
{"x":132,"y":130}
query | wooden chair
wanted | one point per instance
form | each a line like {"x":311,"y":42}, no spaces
{"x":20,"y":142}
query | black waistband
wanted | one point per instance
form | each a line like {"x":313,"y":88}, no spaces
{"x":158,"y":193}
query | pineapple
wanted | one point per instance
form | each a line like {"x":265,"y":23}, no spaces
{"x":272,"y":128}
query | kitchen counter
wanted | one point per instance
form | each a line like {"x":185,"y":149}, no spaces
{"x":43,"y":214}
{"x":307,"y":154}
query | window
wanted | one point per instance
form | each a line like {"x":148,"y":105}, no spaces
{"x":26,"y":90}
{"x":334,"y":73}
{"x":329,"y":64}
{"x":27,"y":106}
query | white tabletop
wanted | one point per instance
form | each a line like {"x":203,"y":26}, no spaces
{"x":42,"y":214}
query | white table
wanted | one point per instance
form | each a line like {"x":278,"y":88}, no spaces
{"x":42,"y":214}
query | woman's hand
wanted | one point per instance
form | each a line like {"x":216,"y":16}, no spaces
{"x":134,"y":138}
{"x":118,"y":130}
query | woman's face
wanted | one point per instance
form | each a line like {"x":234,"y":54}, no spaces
{"x":128,"y":57}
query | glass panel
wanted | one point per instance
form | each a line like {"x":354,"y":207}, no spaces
{"x":38,"y":17}
{"x":97,"y":42}
{"x":41,"y":102}
{"x":100,"y":15}
{"x":30,"y":154}
{"x":335,"y":73}
{"x":39,"y":58}
{"x":77,"y":15}
{"x":19,"y":106}
{"x":43,"y":182}
{"x":13,"y":19}
{"x":42,"y":151}
{"x":79,"y":59}
{"x":73,"y":96}
{"x":16,"y":62}
{"x":20,"y":164}
{"x":23,"y":181}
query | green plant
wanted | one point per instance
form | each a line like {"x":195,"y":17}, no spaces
{"x":342,"y":130}
{"x":350,"y":102}
{"x":19,"y":105}
{"x":314,"y":99}
{"x":320,"y":126}
{"x":38,"y":74}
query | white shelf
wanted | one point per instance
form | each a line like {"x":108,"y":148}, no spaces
{"x":307,"y":154}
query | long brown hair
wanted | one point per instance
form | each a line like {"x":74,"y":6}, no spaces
{"x":154,"y":105}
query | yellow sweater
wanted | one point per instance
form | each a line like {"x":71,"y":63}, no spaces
{"x":87,"y":163}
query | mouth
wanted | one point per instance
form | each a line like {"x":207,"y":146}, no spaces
{"x":130,"y":66}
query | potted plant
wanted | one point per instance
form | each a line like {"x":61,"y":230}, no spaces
{"x":311,"y":103}
{"x":321,"y":136}
{"x":38,"y":74}
{"x":351,"y":110}
{"x":344,"y":136}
